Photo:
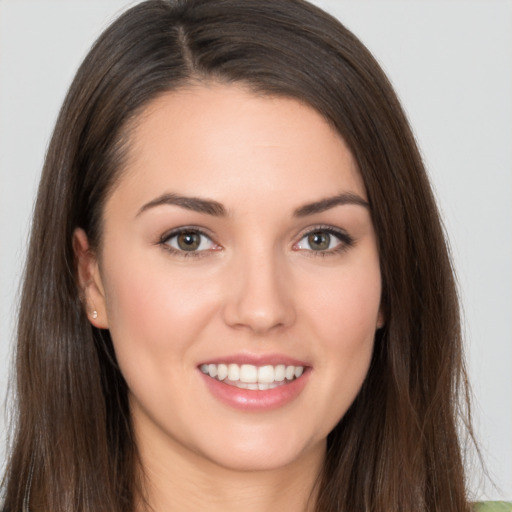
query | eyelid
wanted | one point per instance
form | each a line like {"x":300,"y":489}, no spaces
{"x":168,"y":235}
{"x":183,"y":229}
{"x":345,"y":239}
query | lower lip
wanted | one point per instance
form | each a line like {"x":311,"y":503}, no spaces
{"x":256,"y":400}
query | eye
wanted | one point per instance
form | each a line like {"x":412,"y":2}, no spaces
{"x":188,"y":241}
{"x":326,"y":240}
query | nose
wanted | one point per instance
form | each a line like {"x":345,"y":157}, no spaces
{"x":259,"y":298}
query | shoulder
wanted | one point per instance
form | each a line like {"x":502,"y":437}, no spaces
{"x":493,"y":506}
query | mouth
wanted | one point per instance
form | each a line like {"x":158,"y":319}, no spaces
{"x":252,"y":377}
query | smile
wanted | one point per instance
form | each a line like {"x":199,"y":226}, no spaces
{"x":248,"y":376}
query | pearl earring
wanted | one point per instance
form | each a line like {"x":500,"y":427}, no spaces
{"x":95,"y":314}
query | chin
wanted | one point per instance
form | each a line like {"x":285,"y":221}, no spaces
{"x":249,"y":453}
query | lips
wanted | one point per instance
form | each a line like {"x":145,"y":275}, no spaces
{"x":254,"y":384}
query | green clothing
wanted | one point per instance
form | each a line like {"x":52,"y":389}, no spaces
{"x":493,"y":506}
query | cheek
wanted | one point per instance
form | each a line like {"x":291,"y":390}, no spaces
{"x":345,"y":310}
{"x":343,"y":319}
{"x":153,"y":311}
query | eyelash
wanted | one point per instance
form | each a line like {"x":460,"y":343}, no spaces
{"x":346,"y":241}
{"x":166,"y":237}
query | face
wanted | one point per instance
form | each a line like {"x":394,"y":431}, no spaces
{"x":239,"y":277}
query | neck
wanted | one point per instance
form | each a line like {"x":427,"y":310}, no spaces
{"x":181,"y":481}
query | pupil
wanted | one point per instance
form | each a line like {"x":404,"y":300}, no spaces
{"x":189,"y":241}
{"x":319,"y":241}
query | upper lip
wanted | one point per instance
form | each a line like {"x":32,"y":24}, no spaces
{"x":256,"y":360}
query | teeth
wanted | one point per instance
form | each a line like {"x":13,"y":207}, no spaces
{"x":233,"y":372}
{"x":280,"y":372}
{"x":212,"y":370}
{"x":266,"y":374}
{"x":248,"y":373}
{"x":248,"y":376}
{"x":222,"y":371}
{"x":290,"y":372}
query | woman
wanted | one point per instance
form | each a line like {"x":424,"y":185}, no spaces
{"x":233,"y":198}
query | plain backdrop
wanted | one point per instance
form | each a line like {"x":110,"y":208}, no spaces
{"x":451,"y":63}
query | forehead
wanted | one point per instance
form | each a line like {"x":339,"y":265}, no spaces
{"x":230,"y":144}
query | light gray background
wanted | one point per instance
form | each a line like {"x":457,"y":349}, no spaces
{"x":451,"y":63}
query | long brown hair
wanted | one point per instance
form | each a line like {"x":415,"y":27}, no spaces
{"x":397,"y":448}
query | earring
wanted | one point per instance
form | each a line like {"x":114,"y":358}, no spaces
{"x":95,"y":314}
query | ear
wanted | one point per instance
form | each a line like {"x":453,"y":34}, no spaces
{"x":89,"y":280}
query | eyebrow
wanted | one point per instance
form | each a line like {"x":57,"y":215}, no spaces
{"x":330,"y":202}
{"x":216,"y":209}
{"x":196,"y":204}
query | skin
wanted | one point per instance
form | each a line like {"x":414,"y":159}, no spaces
{"x":256,"y":287}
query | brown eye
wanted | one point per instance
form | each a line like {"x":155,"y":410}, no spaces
{"x":189,"y":241}
{"x":319,"y":241}
{"x":324,"y":241}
